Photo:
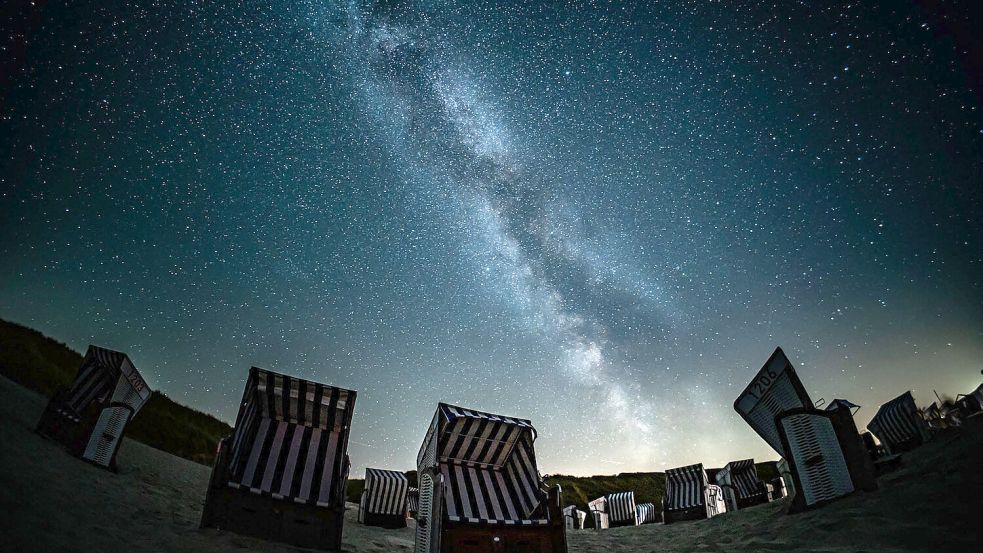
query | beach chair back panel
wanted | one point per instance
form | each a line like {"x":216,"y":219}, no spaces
{"x":385,"y":492}
{"x":482,"y":494}
{"x":413,"y":500}
{"x":816,"y":457}
{"x":744,"y":477}
{"x":106,"y":435}
{"x":291,"y":438}
{"x":775,"y":389}
{"x":645,"y":513}
{"x":621,"y":506}
{"x":898,"y":421}
{"x":476,"y":438}
{"x":685,"y":487}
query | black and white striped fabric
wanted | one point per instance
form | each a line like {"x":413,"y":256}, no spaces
{"x":97,"y":378}
{"x":413,"y":499}
{"x":385,"y":492}
{"x":291,"y":438}
{"x":488,"y":466}
{"x":898,"y":421}
{"x":621,"y":506}
{"x":744,"y":478}
{"x":645,"y":513}
{"x":685,"y":487}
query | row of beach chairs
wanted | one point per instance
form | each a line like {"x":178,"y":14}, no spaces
{"x":282,"y":474}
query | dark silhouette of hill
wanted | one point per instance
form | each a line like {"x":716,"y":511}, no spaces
{"x":43,"y":364}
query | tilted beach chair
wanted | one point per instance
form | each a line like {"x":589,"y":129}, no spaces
{"x":613,"y":510}
{"x":824,"y":454}
{"x":91,"y":415}
{"x":480,"y":488}
{"x":690,"y":495}
{"x":574,"y":518}
{"x":282,"y":474}
{"x":384,"y":499}
{"x":412,"y":501}
{"x":741,"y":485}
{"x":899,"y":426}
{"x":646,"y":513}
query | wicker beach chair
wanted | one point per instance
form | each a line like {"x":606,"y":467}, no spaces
{"x":480,"y":488}
{"x":91,"y":415}
{"x":690,"y":495}
{"x":384,"y":499}
{"x":741,"y":485}
{"x":574,"y":518}
{"x":282,"y":474}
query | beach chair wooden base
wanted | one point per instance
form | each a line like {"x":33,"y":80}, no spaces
{"x":390,"y":522}
{"x":679,"y":515}
{"x":745,"y":502}
{"x":470,"y":538}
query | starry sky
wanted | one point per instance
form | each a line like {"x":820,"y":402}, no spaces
{"x":600,"y":216}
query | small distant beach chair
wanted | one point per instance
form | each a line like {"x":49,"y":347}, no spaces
{"x":90,"y":416}
{"x":283,"y":473}
{"x":786,"y":475}
{"x":899,"y":426}
{"x":690,"y":495}
{"x":777,"y":488}
{"x":970,"y":404}
{"x":480,"y":488}
{"x":825,"y":456}
{"x":412,"y":501}
{"x":384,"y":499}
{"x":646,"y":513}
{"x":574,"y":518}
{"x":741,"y":485}
{"x":614,"y":510}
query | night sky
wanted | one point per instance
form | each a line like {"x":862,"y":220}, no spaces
{"x":597,"y":216}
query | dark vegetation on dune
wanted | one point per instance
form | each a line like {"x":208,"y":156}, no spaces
{"x":42,"y":364}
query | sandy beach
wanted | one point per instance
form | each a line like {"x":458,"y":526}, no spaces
{"x":53,"y":502}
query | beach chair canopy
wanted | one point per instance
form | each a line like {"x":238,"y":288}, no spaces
{"x":106,"y":374}
{"x":743,"y":476}
{"x":898,"y":421}
{"x":646,"y":513}
{"x":843,"y":404}
{"x":291,"y":438}
{"x":775,"y":389}
{"x":385,"y":492}
{"x":685,"y":487}
{"x":620,"y":506}
{"x":488,"y":466}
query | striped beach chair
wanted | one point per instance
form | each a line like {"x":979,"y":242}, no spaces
{"x":646,"y":513}
{"x":384,"y":499}
{"x":480,"y":488}
{"x":412,"y":501}
{"x":690,"y":495}
{"x":741,"y":485}
{"x":613,"y":510}
{"x":899,"y":426}
{"x":823,"y":450}
{"x":90,"y":416}
{"x":574,"y":518}
{"x":282,"y":474}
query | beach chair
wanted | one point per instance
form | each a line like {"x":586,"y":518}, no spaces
{"x":786,"y":475}
{"x":690,"y":495}
{"x":614,"y":510}
{"x":646,"y":513}
{"x":412,"y":501}
{"x":741,"y":485}
{"x":90,"y":416}
{"x":574,"y":518}
{"x":825,"y":456}
{"x":480,"y":488}
{"x":777,"y":488}
{"x":282,"y":474}
{"x":899,"y":426}
{"x":384,"y":499}
{"x":970,"y":404}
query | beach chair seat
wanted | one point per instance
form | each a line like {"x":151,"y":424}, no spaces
{"x":899,"y":426}
{"x":384,"y":500}
{"x":90,"y":416}
{"x":741,"y":486}
{"x":480,"y":487}
{"x":689,"y":495}
{"x":282,"y":474}
{"x":776,"y":393}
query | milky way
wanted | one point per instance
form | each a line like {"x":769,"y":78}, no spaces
{"x":599,"y":217}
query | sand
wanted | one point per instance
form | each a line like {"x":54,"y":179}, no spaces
{"x":53,"y":502}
